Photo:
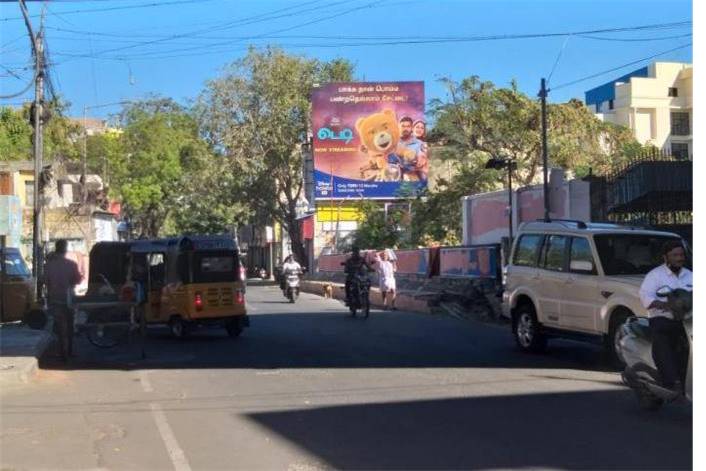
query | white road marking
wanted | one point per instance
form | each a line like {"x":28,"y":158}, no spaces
{"x":145,"y":382}
{"x":176,"y":454}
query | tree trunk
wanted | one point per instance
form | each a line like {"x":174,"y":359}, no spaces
{"x":295,"y":236}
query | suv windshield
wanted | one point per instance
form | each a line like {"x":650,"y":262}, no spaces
{"x":630,"y":254}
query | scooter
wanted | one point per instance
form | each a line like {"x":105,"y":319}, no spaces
{"x":291,"y":286}
{"x":641,"y":373}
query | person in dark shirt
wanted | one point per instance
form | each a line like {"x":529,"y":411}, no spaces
{"x":61,"y":276}
{"x":352,"y":266}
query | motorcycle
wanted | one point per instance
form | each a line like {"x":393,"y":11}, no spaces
{"x":641,"y":373}
{"x":359,"y":294}
{"x":291,"y":285}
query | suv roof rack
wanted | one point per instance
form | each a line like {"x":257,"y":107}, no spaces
{"x":579,"y":224}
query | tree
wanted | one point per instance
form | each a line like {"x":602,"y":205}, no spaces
{"x":150,"y":163}
{"x":257,"y":115}
{"x":480,"y":120}
{"x":60,"y":134}
{"x":437,"y":215}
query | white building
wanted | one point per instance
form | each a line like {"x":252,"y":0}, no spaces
{"x":656,"y":102}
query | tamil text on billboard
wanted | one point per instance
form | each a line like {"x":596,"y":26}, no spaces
{"x":369,"y":140}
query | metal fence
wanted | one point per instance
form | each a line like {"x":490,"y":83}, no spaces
{"x":652,"y":189}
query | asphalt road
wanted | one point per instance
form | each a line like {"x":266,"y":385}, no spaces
{"x":306,"y":387}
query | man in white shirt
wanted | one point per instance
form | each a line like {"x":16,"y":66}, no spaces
{"x":666,"y":331}
{"x":290,"y":265}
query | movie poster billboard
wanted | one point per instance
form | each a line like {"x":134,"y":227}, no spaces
{"x":369,"y":140}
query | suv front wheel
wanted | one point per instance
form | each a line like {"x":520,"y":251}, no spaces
{"x":526,"y":330}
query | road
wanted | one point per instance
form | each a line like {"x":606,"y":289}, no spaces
{"x":308,"y":388}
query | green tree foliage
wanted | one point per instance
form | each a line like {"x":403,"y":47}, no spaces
{"x":60,"y":134}
{"x":257,"y":115}
{"x":480,"y":120}
{"x":378,"y":230}
{"x":164,"y":172}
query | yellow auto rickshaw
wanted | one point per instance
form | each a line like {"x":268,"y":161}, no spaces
{"x":189,"y":281}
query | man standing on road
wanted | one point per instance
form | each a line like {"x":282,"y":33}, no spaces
{"x":61,"y":275}
{"x":666,"y":331}
{"x":386,"y":276}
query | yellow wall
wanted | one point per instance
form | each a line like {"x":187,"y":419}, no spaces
{"x":18,"y":184}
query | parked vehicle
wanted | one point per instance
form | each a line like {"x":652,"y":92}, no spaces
{"x":641,"y":374}
{"x":577,"y":280}
{"x":185,"y":282}
{"x":16,"y":286}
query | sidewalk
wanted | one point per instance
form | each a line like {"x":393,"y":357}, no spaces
{"x":20,"y":349}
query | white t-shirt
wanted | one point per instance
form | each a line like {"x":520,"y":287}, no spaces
{"x":291,"y":266}
{"x":386,"y":275}
{"x":658,"y":278}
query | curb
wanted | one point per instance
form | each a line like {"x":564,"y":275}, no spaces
{"x":21,"y":369}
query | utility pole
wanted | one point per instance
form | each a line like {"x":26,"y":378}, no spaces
{"x":543,"y":95}
{"x":37,"y":41}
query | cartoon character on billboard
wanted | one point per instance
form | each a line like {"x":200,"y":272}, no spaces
{"x":379,"y":137}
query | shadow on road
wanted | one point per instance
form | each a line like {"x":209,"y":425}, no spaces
{"x":334,"y":340}
{"x":554,"y":431}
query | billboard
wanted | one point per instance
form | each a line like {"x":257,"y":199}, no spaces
{"x":369,"y":140}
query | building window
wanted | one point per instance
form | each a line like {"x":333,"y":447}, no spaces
{"x":610,"y":104}
{"x":680,"y":123}
{"x":29,"y":192}
{"x":673,"y":92}
{"x":680,"y":150}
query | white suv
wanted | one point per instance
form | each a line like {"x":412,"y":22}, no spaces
{"x":577,"y":280}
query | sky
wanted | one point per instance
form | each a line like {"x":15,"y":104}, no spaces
{"x":133,"y":48}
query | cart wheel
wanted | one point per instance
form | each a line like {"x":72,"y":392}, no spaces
{"x":106,"y":336}
{"x":177,"y":327}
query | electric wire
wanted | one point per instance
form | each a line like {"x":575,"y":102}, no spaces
{"x":209,"y":48}
{"x":613,"y":69}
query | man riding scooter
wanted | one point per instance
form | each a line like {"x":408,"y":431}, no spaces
{"x":667,"y":332}
{"x":289,"y":266}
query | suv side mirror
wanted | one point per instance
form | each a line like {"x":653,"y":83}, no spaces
{"x":581,"y":266}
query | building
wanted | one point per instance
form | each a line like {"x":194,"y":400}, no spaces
{"x":79,"y":213}
{"x":655,"y":102}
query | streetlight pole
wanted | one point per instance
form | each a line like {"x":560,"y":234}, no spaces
{"x":499,"y":163}
{"x":509,"y":197}
{"x":543,"y":95}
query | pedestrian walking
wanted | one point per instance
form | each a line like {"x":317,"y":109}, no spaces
{"x":61,"y":275}
{"x":386,"y":276}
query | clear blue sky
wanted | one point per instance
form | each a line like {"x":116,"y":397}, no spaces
{"x":189,"y":41}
